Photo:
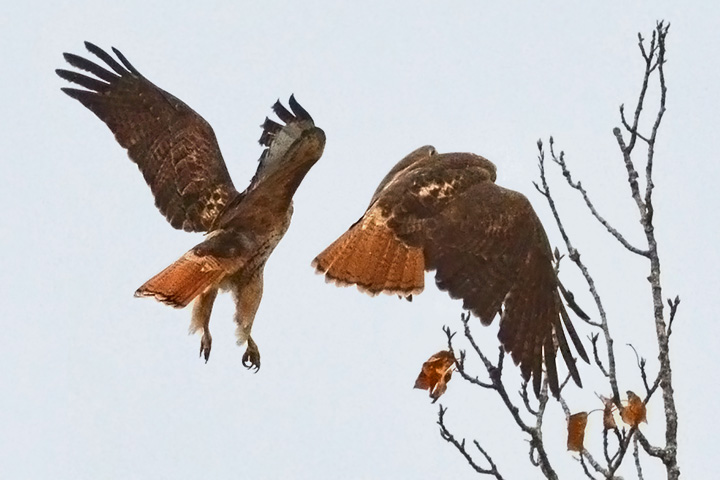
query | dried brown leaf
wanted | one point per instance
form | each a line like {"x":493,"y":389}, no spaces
{"x":634,"y":412}
{"x":576,"y":431}
{"x":436,"y":373}
{"x":608,"y":417}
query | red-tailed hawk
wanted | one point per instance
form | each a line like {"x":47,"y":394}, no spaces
{"x":444,"y":212}
{"x":177,"y":153}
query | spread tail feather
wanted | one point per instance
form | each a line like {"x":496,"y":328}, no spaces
{"x":185,"y":279}
{"x":370,"y":256}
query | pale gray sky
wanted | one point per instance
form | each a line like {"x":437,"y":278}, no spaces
{"x":98,"y":384}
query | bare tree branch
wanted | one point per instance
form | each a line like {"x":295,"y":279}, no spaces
{"x":460,"y":361}
{"x":574,"y":255}
{"x":593,"y":340}
{"x":641,"y":363}
{"x":673,"y":304}
{"x":653,"y":54}
{"x":526,"y":399}
{"x":560,"y":160}
{"x":538,"y":453}
{"x":636,"y":455}
{"x":654,"y":61}
{"x":460,"y":446}
{"x":585,"y":468}
{"x":650,"y":449}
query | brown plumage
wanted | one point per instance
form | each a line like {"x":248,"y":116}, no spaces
{"x":444,"y":212}
{"x":189,"y":276}
{"x":177,"y":153}
{"x":370,"y":256}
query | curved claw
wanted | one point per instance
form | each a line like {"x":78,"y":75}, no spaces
{"x":205,"y":346}
{"x":251,"y":357}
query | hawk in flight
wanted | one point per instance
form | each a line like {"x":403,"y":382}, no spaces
{"x":177,"y":153}
{"x":444,"y":212}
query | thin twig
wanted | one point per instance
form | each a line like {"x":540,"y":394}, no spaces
{"x":641,"y":363}
{"x":622,"y":450}
{"x":636,"y":454}
{"x":526,"y":399}
{"x":460,"y":446}
{"x":460,"y":362}
{"x":495,"y":371}
{"x":560,"y":160}
{"x":651,"y":450}
{"x":585,"y":468}
{"x":673,"y":304}
{"x":575,"y":257}
{"x":606,"y":447}
{"x":628,"y":127}
{"x":593,"y":340}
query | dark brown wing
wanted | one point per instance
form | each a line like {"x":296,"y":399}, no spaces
{"x":489,"y":249}
{"x":174,"y":147}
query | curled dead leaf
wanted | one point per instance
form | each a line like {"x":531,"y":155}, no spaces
{"x":436,"y":373}
{"x":634,"y":412}
{"x":576,"y":431}
{"x":608,"y":417}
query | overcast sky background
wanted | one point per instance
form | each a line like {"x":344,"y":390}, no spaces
{"x":98,"y":384}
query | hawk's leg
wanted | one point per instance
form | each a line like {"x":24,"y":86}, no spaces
{"x":247,"y":299}
{"x":202,"y":308}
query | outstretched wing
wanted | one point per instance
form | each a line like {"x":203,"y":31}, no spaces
{"x":174,"y":147}
{"x":489,"y":249}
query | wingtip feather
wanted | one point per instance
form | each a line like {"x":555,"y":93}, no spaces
{"x":282,"y":112}
{"x":270,"y":129}
{"x":125,"y":61}
{"x":105,"y":57}
{"x":90,"y":46}
{"x":299,"y":111}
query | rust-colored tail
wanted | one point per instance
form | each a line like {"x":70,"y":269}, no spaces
{"x":185,"y":279}
{"x":370,"y":256}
